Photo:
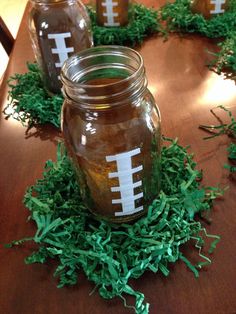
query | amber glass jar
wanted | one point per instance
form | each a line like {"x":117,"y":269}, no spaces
{"x":58,"y":28}
{"x":111,"y":127}
{"x":112,"y":12}
{"x":209,"y":8}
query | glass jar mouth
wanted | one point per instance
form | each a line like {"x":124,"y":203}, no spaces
{"x":49,"y":2}
{"x":104,"y":74}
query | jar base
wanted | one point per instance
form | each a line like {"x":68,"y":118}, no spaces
{"x":120,"y":220}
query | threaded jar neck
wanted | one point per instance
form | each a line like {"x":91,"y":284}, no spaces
{"x":104,"y":76}
{"x":51,"y":2}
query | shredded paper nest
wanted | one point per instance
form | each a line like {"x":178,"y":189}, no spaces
{"x":179,"y":18}
{"x":143,"y":22}
{"x":110,"y":254}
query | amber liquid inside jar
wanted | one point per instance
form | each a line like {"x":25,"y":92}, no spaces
{"x":58,"y":28}
{"x":112,"y":13}
{"x":209,"y":8}
{"x":111,"y":127}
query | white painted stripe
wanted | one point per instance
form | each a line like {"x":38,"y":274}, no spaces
{"x":114,"y":15}
{"x":58,"y":65}
{"x":125,"y":155}
{"x":113,"y":24}
{"x":114,"y":4}
{"x":217,"y":11}
{"x":128,"y":199}
{"x":218,"y":6}
{"x":126,"y":186}
{"x":124,"y":173}
{"x":59,"y":35}
{"x":55,"y":50}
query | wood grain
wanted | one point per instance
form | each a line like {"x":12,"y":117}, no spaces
{"x":185,"y":91}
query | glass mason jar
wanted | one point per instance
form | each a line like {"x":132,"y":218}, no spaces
{"x":209,"y":8}
{"x":111,"y":127}
{"x":58,"y":28}
{"x":112,"y":13}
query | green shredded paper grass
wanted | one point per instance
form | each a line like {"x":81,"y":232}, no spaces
{"x":225,"y":59}
{"x":224,"y":129}
{"x":30,"y":103}
{"x":143,"y":22}
{"x":179,"y":18}
{"x":110,"y":254}
{"x":232,"y":158}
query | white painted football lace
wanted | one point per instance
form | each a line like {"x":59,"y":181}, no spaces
{"x":61,"y":50}
{"x":218,"y":6}
{"x":126,"y":185}
{"x":110,"y":14}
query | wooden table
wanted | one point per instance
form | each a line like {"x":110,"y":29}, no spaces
{"x":185,"y":91}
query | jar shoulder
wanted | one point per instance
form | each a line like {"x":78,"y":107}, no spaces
{"x":46,"y":18}
{"x":138,"y":112}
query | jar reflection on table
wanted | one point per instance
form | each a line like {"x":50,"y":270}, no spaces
{"x":111,"y":127}
{"x":58,"y":28}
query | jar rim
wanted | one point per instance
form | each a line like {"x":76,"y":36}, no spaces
{"x":111,"y":57}
{"x":49,"y":2}
{"x":71,"y":61}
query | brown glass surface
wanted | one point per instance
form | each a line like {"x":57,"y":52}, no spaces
{"x":205,"y":7}
{"x":121,"y":9}
{"x":185,"y":91}
{"x":59,"y":18}
{"x":112,"y":131}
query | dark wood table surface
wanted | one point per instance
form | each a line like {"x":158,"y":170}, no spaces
{"x":185,"y":91}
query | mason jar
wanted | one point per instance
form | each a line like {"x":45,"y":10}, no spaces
{"x":209,"y":8}
{"x":58,"y":28}
{"x":111,"y":127}
{"x":112,"y":13}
